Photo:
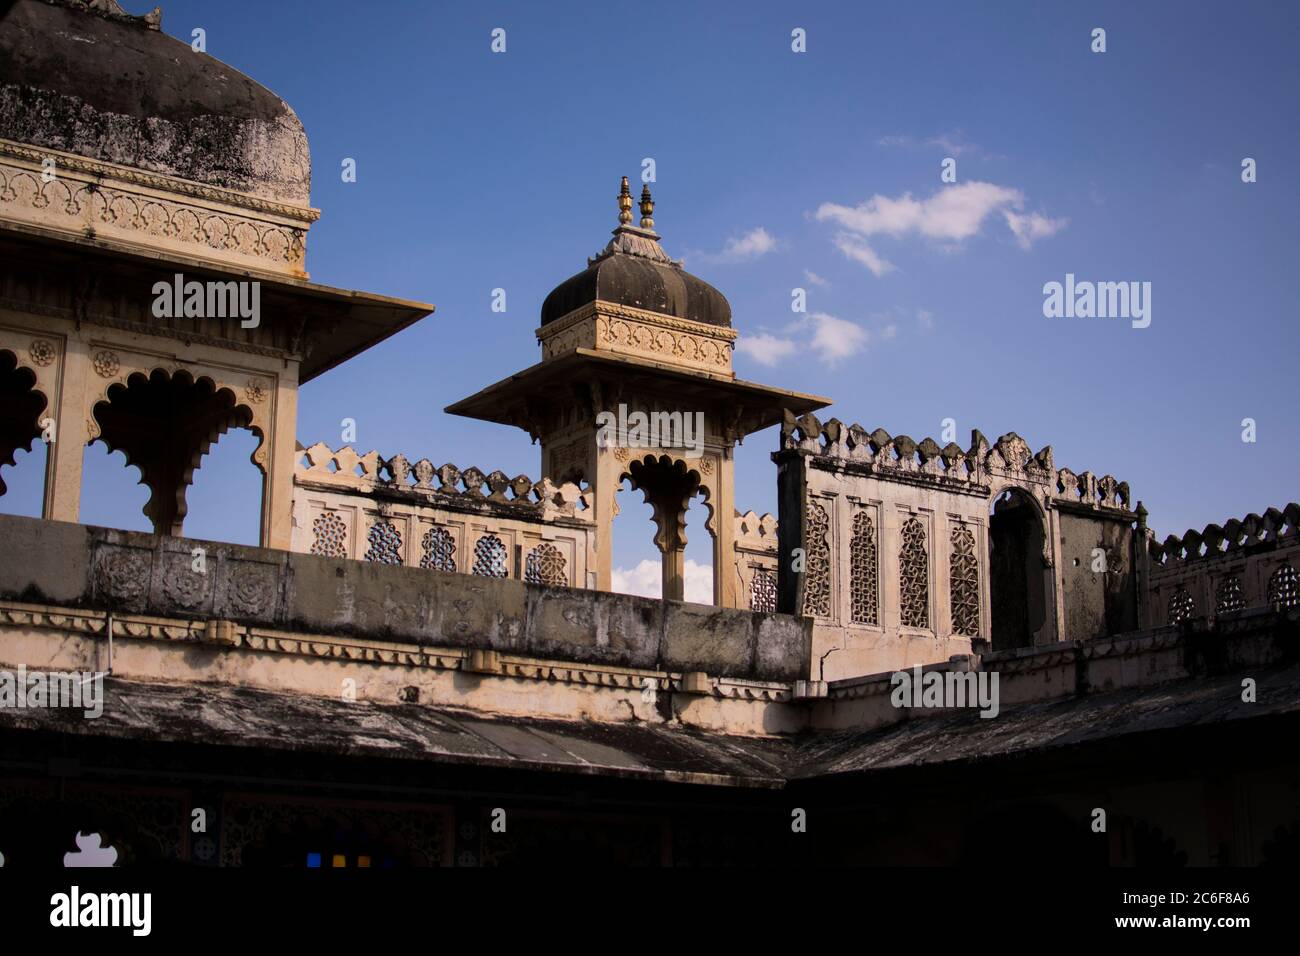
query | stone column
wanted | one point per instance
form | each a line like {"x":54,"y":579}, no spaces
{"x":71,"y":412}
{"x":277,"y":457}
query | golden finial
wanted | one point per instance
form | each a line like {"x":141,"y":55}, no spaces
{"x":647,"y":208}
{"x":624,"y":204}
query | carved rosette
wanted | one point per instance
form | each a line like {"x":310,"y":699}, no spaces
{"x":42,"y":352}
{"x":256,"y":390}
{"x":107,"y":364}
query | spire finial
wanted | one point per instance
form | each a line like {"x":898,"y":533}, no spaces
{"x":624,"y":204}
{"x":647,"y":208}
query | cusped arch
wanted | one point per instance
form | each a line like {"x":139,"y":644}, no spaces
{"x":164,"y":422}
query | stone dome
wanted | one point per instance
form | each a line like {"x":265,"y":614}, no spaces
{"x":84,"y":77}
{"x":634,"y":270}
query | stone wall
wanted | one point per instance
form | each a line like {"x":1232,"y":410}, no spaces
{"x":391,"y":511}
{"x":76,"y":566}
{"x":1249,"y":563}
{"x":909,"y":552}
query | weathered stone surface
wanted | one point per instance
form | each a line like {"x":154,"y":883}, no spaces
{"x":78,"y":566}
{"x":145,"y":100}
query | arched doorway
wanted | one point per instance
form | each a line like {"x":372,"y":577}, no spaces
{"x":1017,"y":572}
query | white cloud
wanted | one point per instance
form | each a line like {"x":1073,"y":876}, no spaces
{"x":953,"y":143}
{"x":832,"y":339}
{"x":949,"y":216}
{"x":836,"y":339}
{"x":764,"y":349}
{"x":646,"y":579}
{"x":757,"y":242}
{"x":925,"y":319}
{"x":953,"y":213}
{"x":813,"y":278}
{"x":1032,"y":227}
{"x":888,"y":332}
{"x":859,"y":251}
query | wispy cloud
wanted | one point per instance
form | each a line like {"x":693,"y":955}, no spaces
{"x":859,"y":251}
{"x":765,"y":349}
{"x":750,"y":245}
{"x":646,"y":579}
{"x":954,"y":143}
{"x":1030,"y":228}
{"x":829,"y":338}
{"x":952,"y":214}
{"x":814,"y":279}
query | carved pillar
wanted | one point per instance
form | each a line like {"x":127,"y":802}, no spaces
{"x":277,"y":454}
{"x":69,"y":410}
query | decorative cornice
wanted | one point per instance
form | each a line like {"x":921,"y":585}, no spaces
{"x":237,"y":637}
{"x":617,"y":310}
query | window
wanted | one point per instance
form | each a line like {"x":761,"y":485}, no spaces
{"x":490,"y":557}
{"x":914,"y":576}
{"x":439,"y":550}
{"x":817,"y":568}
{"x":862,"y":570}
{"x":545,"y":565}
{"x":330,"y":536}
{"x":964,"y":581}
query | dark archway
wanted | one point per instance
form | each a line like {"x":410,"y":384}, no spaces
{"x":165,"y":425}
{"x":1017,"y":582}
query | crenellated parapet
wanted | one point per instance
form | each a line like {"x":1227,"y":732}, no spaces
{"x":980,"y":467}
{"x":395,"y":511}
{"x":1241,"y":565}
{"x":373,"y":474}
{"x":1272,"y":528}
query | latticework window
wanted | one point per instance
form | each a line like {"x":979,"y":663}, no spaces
{"x":385,"y":543}
{"x":762,"y":592}
{"x":1229,"y":596}
{"x":330,"y":536}
{"x":817,"y":564}
{"x":1181,"y":607}
{"x":545,"y":565}
{"x":862,"y":570}
{"x":439,"y":550}
{"x":964,"y":578}
{"x":490,"y":557}
{"x":1284,"y":588}
{"x":914,"y":576}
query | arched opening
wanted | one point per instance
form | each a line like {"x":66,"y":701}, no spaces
{"x":668,"y":486}
{"x":165,"y":425}
{"x":1017,"y":575}
{"x":22,"y":452}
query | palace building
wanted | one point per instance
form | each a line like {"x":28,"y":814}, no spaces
{"x":424,"y":664}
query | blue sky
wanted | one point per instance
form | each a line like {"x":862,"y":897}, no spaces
{"x":479,"y":170}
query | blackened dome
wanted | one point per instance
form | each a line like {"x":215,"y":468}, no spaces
{"x":84,"y":77}
{"x":634,"y":270}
